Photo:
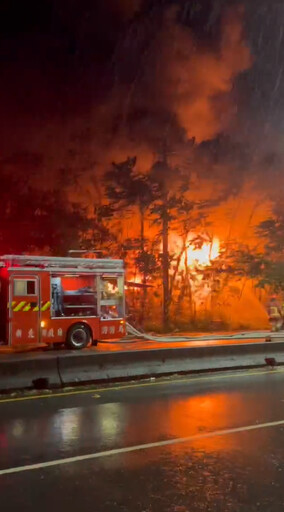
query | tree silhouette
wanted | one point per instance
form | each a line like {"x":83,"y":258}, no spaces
{"x":125,"y":190}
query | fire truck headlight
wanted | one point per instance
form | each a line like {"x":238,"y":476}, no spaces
{"x":42,"y":323}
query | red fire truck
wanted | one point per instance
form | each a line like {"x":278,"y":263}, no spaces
{"x":47,"y":300}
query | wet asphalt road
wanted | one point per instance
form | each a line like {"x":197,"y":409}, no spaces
{"x":213,"y":470}
{"x":139,"y":345}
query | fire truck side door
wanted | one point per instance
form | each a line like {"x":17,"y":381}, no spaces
{"x":24,"y":309}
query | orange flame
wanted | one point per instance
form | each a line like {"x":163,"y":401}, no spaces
{"x":194,"y":256}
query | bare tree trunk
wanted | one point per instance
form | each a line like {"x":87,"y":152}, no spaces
{"x":188,"y":285}
{"x":175,"y":273}
{"x":165,"y":264}
{"x":142,"y":236}
{"x":144,"y":277}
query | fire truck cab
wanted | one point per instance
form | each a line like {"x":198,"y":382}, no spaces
{"x":47,"y":300}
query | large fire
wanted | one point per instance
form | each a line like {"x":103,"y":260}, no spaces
{"x":192,"y":256}
{"x":196,"y":253}
{"x":204,"y":255}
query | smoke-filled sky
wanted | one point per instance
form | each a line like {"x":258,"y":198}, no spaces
{"x":85,"y":82}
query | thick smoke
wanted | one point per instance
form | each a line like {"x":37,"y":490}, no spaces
{"x":169,"y":86}
{"x":155,"y":80}
{"x":197,"y":81}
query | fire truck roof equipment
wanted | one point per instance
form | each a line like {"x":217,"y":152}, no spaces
{"x":61,"y":263}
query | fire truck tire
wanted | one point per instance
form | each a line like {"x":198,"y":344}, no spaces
{"x":78,"y":336}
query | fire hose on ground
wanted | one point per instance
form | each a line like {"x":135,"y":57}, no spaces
{"x":247,"y":335}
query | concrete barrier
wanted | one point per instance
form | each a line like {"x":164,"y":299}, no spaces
{"x":46,"y":370}
{"x":24,"y":371}
{"x":90,"y":367}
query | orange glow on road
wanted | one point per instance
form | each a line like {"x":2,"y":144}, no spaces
{"x":207,"y":412}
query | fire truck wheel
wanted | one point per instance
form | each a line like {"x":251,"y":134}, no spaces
{"x":78,"y":336}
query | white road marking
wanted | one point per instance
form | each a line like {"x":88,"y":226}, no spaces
{"x":139,"y":447}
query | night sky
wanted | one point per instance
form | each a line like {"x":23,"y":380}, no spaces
{"x":84,"y":82}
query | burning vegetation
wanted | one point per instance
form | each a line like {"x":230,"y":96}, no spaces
{"x":182,"y":202}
